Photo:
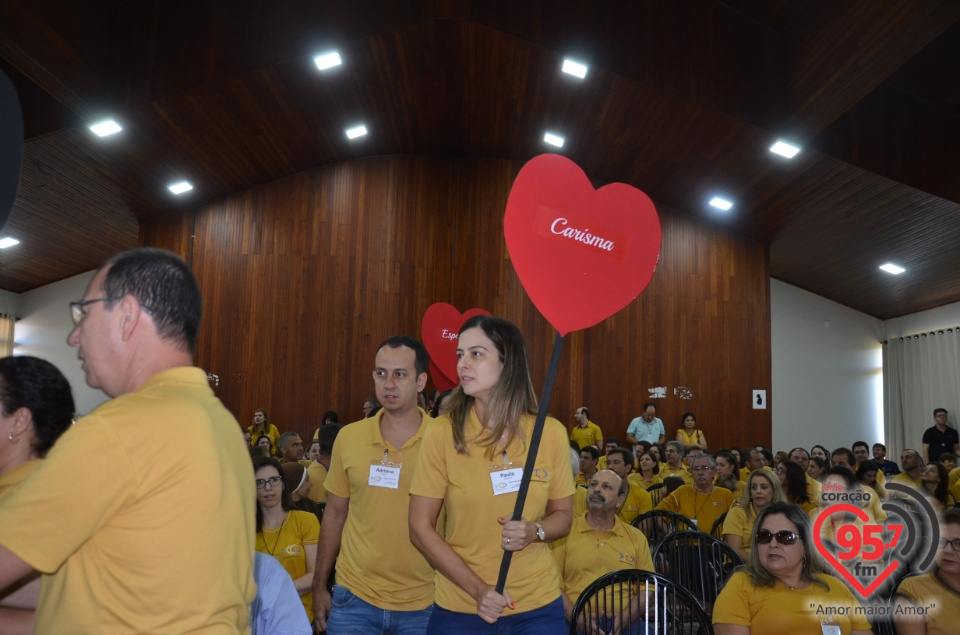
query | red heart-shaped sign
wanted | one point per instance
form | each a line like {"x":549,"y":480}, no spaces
{"x":857,"y":540}
{"x":582,"y":254}
{"x":439,"y":330}
{"x":440,"y":381}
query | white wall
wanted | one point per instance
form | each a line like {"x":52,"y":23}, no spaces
{"x":827,"y":365}
{"x":43,"y":330}
{"x":940,"y":318}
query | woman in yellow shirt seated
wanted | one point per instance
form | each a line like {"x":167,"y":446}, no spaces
{"x":689,"y":435}
{"x":762,"y":490}
{"x":793,"y":481}
{"x":935,"y":480}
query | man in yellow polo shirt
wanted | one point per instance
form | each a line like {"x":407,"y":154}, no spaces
{"x":674,"y":453}
{"x":155,"y":543}
{"x":384,"y":585}
{"x":637,"y":499}
{"x":585,"y":432}
{"x":599,"y":542}
{"x":701,"y":502}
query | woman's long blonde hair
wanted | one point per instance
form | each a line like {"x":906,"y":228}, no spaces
{"x":511,"y":398}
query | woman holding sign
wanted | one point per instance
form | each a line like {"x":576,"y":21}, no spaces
{"x":471,"y":463}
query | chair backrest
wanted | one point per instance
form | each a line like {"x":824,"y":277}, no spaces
{"x":698,"y":562}
{"x":717,"y":530}
{"x":649,"y":603}
{"x":656,"y":493}
{"x":656,"y":524}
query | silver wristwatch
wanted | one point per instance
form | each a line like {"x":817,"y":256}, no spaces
{"x":541,"y":534}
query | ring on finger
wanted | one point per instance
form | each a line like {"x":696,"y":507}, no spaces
{"x":508,"y":540}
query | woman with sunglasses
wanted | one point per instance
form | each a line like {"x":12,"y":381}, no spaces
{"x":939,"y":589}
{"x":784,"y":583}
{"x":283,"y":532}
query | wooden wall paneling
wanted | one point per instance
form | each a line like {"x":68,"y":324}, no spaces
{"x":303,"y":277}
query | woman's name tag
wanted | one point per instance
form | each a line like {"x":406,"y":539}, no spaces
{"x":384,"y":476}
{"x":506,"y":481}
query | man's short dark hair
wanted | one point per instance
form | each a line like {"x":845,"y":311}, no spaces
{"x":936,"y":410}
{"x":624,"y":453}
{"x":648,"y":405}
{"x":611,"y":440}
{"x":863,"y":444}
{"x":421,"y":358}
{"x":328,"y":434}
{"x":40,"y":387}
{"x":851,"y":459}
{"x":767,"y":455}
{"x":592,"y":451}
{"x":163,"y":285}
{"x":585,"y":411}
{"x":880,"y":445}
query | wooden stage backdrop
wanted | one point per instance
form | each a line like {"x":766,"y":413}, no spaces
{"x":303,"y":277}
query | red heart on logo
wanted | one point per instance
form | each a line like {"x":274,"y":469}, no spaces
{"x":838,"y":567}
{"x":582,"y":254}
{"x":441,"y":324}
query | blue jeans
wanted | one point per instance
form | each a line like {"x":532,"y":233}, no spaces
{"x":349,"y":615}
{"x":547,"y":620}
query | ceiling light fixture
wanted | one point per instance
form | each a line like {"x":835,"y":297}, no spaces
{"x":327,"y":60}
{"x":721,"y":203}
{"x":105,"y":128}
{"x":356,"y":131}
{"x":892,"y":268}
{"x":554,"y":140}
{"x":6,"y":242}
{"x":574,"y":68}
{"x":180,"y":187}
{"x":784,"y":149}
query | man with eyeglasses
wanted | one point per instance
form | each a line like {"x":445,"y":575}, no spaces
{"x":701,"y":502}
{"x":156,"y":544}
{"x":937,"y":591}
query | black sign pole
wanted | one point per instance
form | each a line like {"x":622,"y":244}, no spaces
{"x":532,"y":452}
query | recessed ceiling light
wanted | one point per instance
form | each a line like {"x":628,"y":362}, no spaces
{"x":8,"y":242}
{"x":554,"y":140}
{"x":357,"y":131}
{"x":784,"y":149}
{"x":574,"y":68}
{"x":327,"y":60}
{"x":180,"y":187}
{"x":106,"y":128}
{"x":720,"y":203}
{"x":892,"y":268}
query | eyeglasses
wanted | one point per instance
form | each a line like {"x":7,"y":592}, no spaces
{"x":780,"y":471}
{"x":955,"y":543}
{"x":77,"y":312}
{"x":783,"y":537}
{"x":274,"y":481}
{"x":702,"y":468}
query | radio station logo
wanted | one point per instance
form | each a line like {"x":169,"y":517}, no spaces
{"x":866,"y":553}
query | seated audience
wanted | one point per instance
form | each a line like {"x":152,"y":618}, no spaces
{"x":867,"y":475}
{"x":299,"y":482}
{"x":287,"y":534}
{"x":290,"y":447}
{"x":701,"y":502}
{"x":328,"y":417}
{"x":948,"y":460}
{"x":889,"y":468}
{"x":608,"y":444}
{"x":861,"y":453}
{"x":313,"y":452}
{"x":783,"y":583}
{"x":842,"y":457}
{"x":599,"y":543}
{"x":727,"y":465}
{"x":818,"y":465}
{"x":648,"y":473}
{"x":637,"y":500}
{"x":36,"y":407}
{"x":910,"y":461}
{"x":674,"y":452}
{"x":763,"y":488}
{"x":263,"y":428}
{"x":589,"y":456}
{"x":937,"y":591}
{"x":840,"y":486}
{"x":822,"y":452}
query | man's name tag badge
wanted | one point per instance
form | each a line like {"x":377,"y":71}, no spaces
{"x":384,"y":476}
{"x":506,"y":481}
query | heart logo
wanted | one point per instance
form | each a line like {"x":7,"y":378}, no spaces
{"x":582,"y":254}
{"x":438,"y":331}
{"x":858,"y":541}
{"x":440,"y":381}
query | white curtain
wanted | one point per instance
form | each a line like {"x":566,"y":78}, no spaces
{"x":920,"y":372}
{"x":6,"y":335}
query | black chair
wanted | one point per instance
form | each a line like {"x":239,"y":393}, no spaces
{"x":698,"y":562}
{"x":668,"y":609}
{"x":657,"y":493}
{"x":717,"y":530}
{"x":659,"y":523}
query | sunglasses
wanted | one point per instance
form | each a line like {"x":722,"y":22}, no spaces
{"x":783,"y":537}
